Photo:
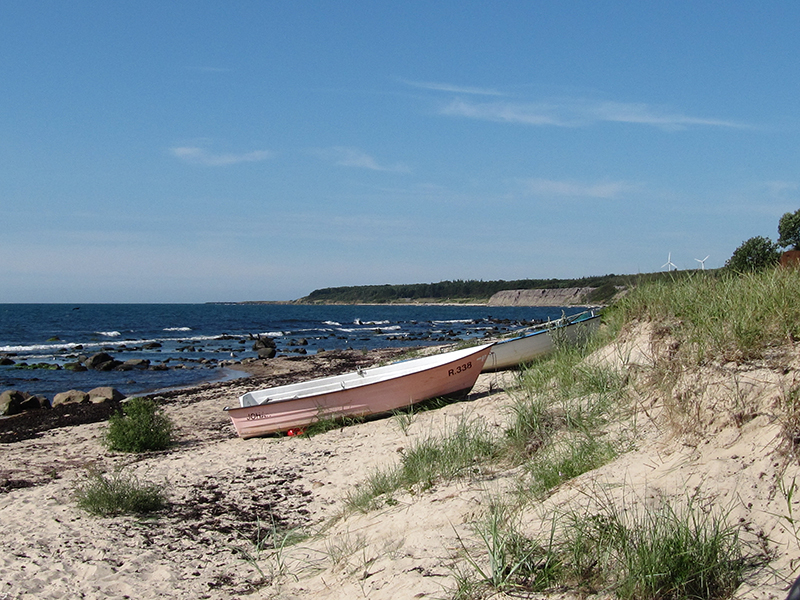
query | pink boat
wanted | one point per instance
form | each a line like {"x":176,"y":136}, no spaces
{"x":360,"y":393}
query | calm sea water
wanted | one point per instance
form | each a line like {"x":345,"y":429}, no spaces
{"x":197,"y":341}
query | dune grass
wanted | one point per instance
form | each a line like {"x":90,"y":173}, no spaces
{"x":719,"y":316}
{"x":671,"y":551}
{"x":557,"y":395}
{"x":457,"y":452}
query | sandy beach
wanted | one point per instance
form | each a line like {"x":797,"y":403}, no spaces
{"x":225,"y":493}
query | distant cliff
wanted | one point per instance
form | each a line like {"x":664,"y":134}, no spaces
{"x":575,"y":296}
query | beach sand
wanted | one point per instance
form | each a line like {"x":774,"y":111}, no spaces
{"x":224,"y":493}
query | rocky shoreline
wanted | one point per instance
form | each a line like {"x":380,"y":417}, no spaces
{"x":25,"y":416}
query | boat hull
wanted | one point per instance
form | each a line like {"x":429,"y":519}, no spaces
{"x":365,"y":392}
{"x":523,"y":349}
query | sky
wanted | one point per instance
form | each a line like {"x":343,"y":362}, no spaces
{"x":196,"y":151}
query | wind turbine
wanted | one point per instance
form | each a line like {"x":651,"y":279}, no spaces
{"x":702,"y":263}
{"x":669,"y":264}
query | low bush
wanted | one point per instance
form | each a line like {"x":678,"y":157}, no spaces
{"x":142,"y":426}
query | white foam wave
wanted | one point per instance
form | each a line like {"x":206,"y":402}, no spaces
{"x":37,"y":347}
{"x":108,"y":333}
{"x":177,"y":329}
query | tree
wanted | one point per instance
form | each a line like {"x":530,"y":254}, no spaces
{"x":755,"y":254}
{"x":789,"y":230}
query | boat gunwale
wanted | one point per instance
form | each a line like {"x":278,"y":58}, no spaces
{"x":551,"y":326}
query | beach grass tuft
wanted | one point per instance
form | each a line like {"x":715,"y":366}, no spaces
{"x":117,"y":493}
{"x":460,"y":451}
{"x":679,"y":551}
{"x":505,"y":559}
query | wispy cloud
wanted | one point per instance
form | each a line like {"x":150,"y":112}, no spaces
{"x":577,"y":113}
{"x":353,"y":157}
{"x":506,"y":112}
{"x":779,"y":188}
{"x":647,"y":115}
{"x":604,"y":189}
{"x":201,"y":156}
{"x":455,"y":89}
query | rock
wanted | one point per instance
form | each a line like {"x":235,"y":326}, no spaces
{"x":96,"y":361}
{"x":10,"y":402}
{"x":75,"y":366}
{"x":267,"y":352}
{"x":70,"y":397}
{"x":108,"y":366}
{"x":34,"y":403}
{"x":138,"y":364}
{"x":105,"y":394}
{"x":262,"y":343}
{"x":4,"y":360}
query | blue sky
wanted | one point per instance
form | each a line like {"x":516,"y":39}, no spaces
{"x":225,"y":151}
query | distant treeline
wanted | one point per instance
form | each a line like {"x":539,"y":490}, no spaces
{"x":470,"y":290}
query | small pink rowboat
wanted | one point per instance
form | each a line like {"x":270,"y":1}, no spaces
{"x":360,"y":393}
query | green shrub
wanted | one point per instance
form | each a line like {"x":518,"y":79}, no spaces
{"x":118,"y":493}
{"x":141,"y":427}
{"x":789,"y":230}
{"x":755,"y":254}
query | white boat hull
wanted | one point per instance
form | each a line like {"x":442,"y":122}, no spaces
{"x":510,"y":353}
{"x":364,"y":392}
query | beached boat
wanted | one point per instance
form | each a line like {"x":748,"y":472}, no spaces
{"x":360,"y":393}
{"x":535,"y":342}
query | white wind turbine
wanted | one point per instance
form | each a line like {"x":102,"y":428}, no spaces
{"x":702,"y":263}
{"x":669,"y":264}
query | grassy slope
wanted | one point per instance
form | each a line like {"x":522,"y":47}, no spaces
{"x":566,"y":422}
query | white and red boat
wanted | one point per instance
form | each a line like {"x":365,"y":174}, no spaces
{"x":360,"y":393}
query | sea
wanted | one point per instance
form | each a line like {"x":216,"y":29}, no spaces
{"x":188,"y":344}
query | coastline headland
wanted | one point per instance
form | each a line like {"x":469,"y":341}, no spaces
{"x":574,"y":296}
